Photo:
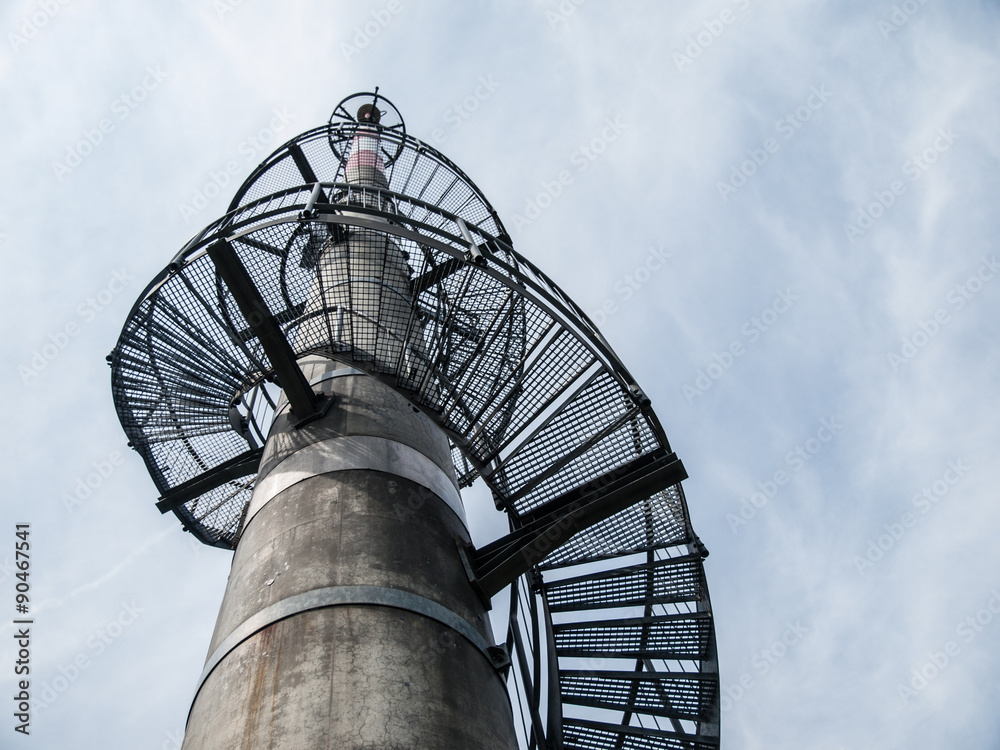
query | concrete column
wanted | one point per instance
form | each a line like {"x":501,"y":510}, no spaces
{"x":350,"y":544}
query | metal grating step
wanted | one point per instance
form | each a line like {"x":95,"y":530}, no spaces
{"x":676,"y":695}
{"x":683,"y":636}
{"x":580,"y":734}
{"x":655,"y":523}
{"x":678,"y":579}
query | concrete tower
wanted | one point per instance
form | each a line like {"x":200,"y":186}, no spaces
{"x":347,"y":624}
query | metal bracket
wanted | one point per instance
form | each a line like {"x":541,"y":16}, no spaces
{"x":309,"y":211}
{"x":500,"y":657}
{"x":466,"y":553}
{"x":474,"y":254}
{"x":324,"y":402}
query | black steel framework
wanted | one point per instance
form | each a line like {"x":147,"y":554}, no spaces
{"x":611,"y":630}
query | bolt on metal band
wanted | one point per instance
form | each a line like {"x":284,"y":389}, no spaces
{"x":357,"y":452}
{"x":333,"y":596}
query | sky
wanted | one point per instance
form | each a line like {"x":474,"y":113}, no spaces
{"x":783,"y":216}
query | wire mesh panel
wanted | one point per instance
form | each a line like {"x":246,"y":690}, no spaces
{"x":358,"y":243}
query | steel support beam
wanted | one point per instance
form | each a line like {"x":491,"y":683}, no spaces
{"x":426,"y":280}
{"x":238,"y":467}
{"x":305,"y":404}
{"x":551,"y":525}
{"x":305,"y":168}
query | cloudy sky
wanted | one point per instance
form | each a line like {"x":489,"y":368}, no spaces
{"x":783,"y":216}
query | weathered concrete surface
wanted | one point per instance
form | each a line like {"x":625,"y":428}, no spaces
{"x":352,"y":677}
{"x":358,"y":678}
